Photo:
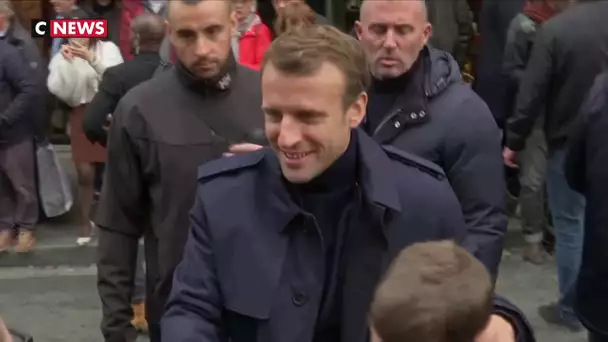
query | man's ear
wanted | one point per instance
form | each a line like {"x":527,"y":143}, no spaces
{"x":356,"y":111}
{"x":233,"y":22}
{"x":358,"y":29}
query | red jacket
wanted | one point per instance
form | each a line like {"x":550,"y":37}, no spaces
{"x":253,"y":45}
{"x":130,"y":10}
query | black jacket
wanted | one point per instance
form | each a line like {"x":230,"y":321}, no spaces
{"x":116,"y":83}
{"x":162,"y":131}
{"x":253,"y":262}
{"x":439,"y":118}
{"x":494,"y":20}
{"x":18,"y":93}
{"x":520,"y":39}
{"x":587,"y":172}
{"x":569,"y":51}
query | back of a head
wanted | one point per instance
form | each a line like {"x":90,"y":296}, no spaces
{"x":294,"y":16}
{"x":149,"y":28}
{"x":435,"y":292}
{"x":302,"y":52}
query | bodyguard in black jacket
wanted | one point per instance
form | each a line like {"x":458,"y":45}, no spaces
{"x":587,"y":172}
{"x":149,"y":32}
{"x":162,"y":130}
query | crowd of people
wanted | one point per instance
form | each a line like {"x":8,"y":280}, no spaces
{"x":291,"y":182}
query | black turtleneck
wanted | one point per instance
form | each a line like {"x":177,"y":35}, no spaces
{"x":328,"y":198}
{"x":384,"y":93}
{"x":208,"y":86}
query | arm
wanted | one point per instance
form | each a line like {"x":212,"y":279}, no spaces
{"x":517,"y":52}
{"x":464,"y":18}
{"x":575,"y":167}
{"x":105,"y":101}
{"x":121,"y":219}
{"x":533,"y":89}
{"x":518,"y":321}
{"x":109,"y":57}
{"x":474,"y":168}
{"x":193,"y":311}
{"x":22,"y":80}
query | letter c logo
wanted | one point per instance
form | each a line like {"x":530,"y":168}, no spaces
{"x":38,"y":28}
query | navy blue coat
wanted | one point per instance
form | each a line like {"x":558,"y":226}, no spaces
{"x":251,"y":266}
{"x":440,"y":119}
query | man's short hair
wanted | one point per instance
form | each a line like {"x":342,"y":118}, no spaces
{"x":302,"y":53}
{"x":434,"y":291}
{"x":6,"y":8}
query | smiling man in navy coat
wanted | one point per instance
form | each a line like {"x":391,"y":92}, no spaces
{"x":288,"y":243}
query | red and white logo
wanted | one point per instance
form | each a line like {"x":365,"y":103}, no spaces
{"x":70,"y":28}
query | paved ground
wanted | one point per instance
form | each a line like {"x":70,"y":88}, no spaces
{"x":60,"y":304}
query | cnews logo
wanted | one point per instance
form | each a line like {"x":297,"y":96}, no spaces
{"x":70,"y":28}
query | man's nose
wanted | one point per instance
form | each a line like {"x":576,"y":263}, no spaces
{"x":202,"y":47}
{"x":390,"y":40}
{"x":290,"y":133}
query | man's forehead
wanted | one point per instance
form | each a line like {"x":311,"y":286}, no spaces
{"x":205,"y":9}
{"x":392,"y":11}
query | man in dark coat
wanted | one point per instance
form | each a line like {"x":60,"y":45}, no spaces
{"x":587,"y":173}
{"x":161,"y":131}
{"x":569,"y":51}
{"x":148,"y":32}
{"x":147,"y":36}
{"x":318,"y":218}
{"x":490,"y":84}
{"x":17,"y":36}
{"x":419,"y":104}
{"x":18,"y":195}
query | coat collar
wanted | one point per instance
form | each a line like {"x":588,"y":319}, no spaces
{"x":375,"y":177}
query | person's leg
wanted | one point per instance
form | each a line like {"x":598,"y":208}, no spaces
{"x":7,"y":206}
{"x":86,"y":177}
{"x":567,"y":209}
{"x":100,"y":169}
{"x":533,"y":169}
{"x":139,"y":296}
{"x":21,"y":172}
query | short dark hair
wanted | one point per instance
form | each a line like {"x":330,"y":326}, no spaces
{"x":302,"y":52}
{"x":434,"y":291}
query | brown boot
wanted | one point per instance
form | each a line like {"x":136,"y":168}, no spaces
{"x":25,"y":242}
{"x":535,"y":254}
{"x":6,"y":240}
{"x":139,"y":317}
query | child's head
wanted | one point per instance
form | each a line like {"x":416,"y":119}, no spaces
{"x":432,"y":292}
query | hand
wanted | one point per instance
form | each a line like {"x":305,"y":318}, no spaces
{"x":106,"y":126}
{"x":82,"y":51}
{"x":66,"y":52}
{"x":497,"y":330}
{"x":508,"y":156}
{"x":4,"y":334}
{"x":241,"y":148}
